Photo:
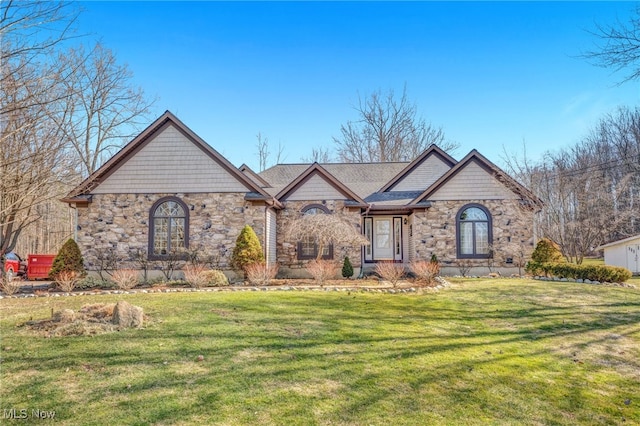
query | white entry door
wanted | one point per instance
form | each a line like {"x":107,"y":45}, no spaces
{"x":382,"y":239}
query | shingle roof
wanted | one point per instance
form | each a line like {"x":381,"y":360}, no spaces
{"x":362,"y":178}
{"x":392,"y":198}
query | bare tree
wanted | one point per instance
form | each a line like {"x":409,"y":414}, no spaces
{"x":388,"y":129}
{"x":591,"y":190}
{"x":264,"y":154}
{"x":33,"y":160}
{"x":53,"y":227}
{"x":102,"y":108}
{"x":325,"y":229}
{"x":318,"y":155}
{"x":619,"y":47}
{"x":41,"y":97}
{"x":31,"y":29}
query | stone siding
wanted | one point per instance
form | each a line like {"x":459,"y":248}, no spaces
{"x":119,"y":224}
{"x":287,"y":257}
{"x":434,"y":232}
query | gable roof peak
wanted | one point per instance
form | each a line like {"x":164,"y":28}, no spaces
{"x":316,"y":169}
{"x":509,"y":182}
{"x":431,"y":150}
{"x":127,"y":151}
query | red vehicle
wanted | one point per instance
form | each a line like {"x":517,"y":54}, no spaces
{"x":14,"y":265}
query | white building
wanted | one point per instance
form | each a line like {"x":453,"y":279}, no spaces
{"x":624,"y":253}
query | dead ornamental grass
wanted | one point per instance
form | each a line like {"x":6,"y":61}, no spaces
{"x":10,"y":286}
{"x":390,"y":271}
{"x":194,"y":275}
{"x":425,"y":270}
{"x":322,"y":270}
{"x":261,"y":273}
{"x":90,"y":320}
{"x":125,"y":279}
{"x":67,"y":280}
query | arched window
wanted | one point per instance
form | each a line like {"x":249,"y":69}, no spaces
{"x":168,"y":227}
{"x":474,"y":235}
{"x":307,"y":247}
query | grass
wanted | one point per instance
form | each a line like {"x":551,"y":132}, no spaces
{"x":481,"y":352}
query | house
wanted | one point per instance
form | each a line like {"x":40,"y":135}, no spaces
{"x":624,"y":253}
{"x":169,"y":190}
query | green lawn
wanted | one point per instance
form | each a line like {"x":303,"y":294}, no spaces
{"x":480,"y":352}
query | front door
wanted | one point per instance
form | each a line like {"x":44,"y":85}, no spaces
{"x":385,"y":236}
{"x":382,"y":239}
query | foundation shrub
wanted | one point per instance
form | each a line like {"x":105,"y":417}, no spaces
{"x":66,"y":280}
{"x":601,"y":273}
{"x":215,"y":278}
{"x":68,"y":259}
{"x":347,"y":268}
{"x":247,"y":250}
{"x":425,"y":271}
{"x":195,"y":275}
{"x":125,"y":279}
{"x":547,"y":251}
{"x":261,"y":273}
{"x":91,"y":282}
{"x":322,"y":270}
{"x":390,"y":271}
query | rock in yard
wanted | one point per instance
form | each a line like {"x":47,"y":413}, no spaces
{"x":127,"y":315}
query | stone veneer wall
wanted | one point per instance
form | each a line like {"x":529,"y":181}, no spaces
{"x":119,"y":224}
{"x":434,"y":232}
{"x":287,"y":258}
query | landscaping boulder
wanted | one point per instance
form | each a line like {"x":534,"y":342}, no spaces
{"x":127,"y":315}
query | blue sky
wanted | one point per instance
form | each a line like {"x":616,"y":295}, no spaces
{"x":491,"y":74}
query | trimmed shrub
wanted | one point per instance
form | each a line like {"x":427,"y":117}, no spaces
{"x":547,"y":251}
{"x":215,"y":278}
{"x":347,"y":268}
{"x":601,"y":273}
{"x":68,"y":259}
{"x":261,"y":273}
{"x":247,"y":250}
{"x":89,"y":283}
